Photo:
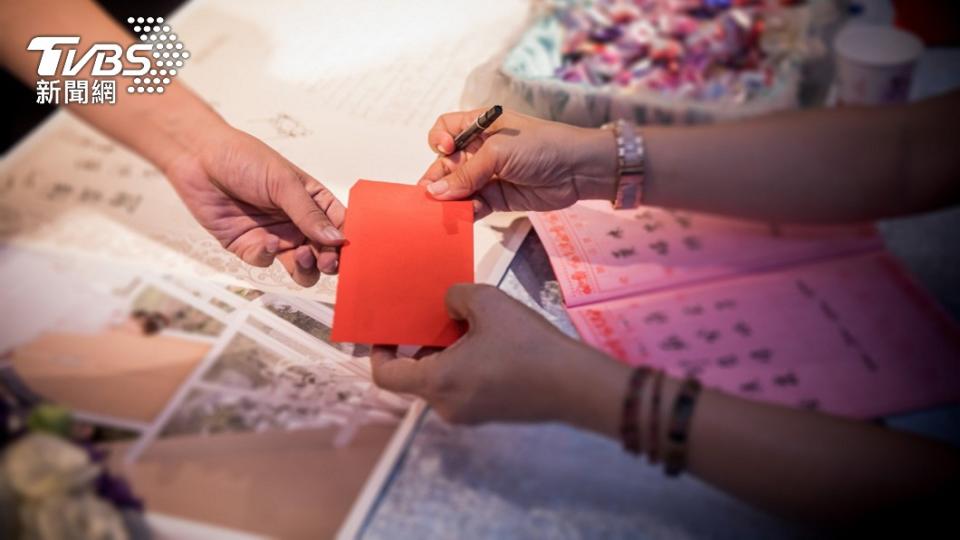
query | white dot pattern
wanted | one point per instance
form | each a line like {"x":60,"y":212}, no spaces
{"x":166,"y":49}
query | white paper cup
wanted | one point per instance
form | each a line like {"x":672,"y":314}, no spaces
{"x":874,"y":64}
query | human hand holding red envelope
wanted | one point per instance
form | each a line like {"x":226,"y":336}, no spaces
{"x":404,"y":250}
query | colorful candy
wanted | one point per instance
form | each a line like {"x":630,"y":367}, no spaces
{"x":698,"y":49}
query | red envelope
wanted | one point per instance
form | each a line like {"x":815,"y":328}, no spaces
{"x":404,"y":250}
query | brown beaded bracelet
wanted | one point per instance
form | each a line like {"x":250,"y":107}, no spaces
{"x":675,"y":459}
{"x":653,"y":454}
{"x":629,"y":423}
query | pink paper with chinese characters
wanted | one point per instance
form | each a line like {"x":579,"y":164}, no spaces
{"x":599,"y":253}
{"x":813,"y":318}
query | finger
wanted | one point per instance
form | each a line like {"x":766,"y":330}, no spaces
{"x":440,"y":137}
{"x":328,"y":259}
{"x":461,"y":299}
{"x":434,"y":172}
{"x":288,"y":233}
{"x":404,"y":375}
{"x":444,"y":165}
{"x":425,"y":352}
{"x":467,"y":177}
{"x":325,"y":199}
{"x":293,"y":198}
{"x":301,"y":265}
{"x":481,"y":208}
{"x":256,"y":247}
{"x":491,"y":198}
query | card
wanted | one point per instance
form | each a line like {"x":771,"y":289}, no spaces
{"x":850,"y":336}
{"x":404,"y":250}
{"x":599,"y":253}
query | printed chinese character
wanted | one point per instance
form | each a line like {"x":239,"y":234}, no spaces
{"x":623,"y":253}
{"x":88,"y":164}
{"x":693,"y":368}
{"x":761,"y":355}
{"x":657,"y":317}
{"x":708,"y":335}
{"x":126,"y":201}
{"x":695,"y":309}
{"x":104,"y":92}
{"x":681,"y":219}
{"x":660,"y":247}
{"x":787,"y":379}
{"x":810,"y":404}
{"x":751,"y":387}
{"x":728,"y":360}
{"x":652,"y":226}
{"x":48,"y":92}
{"x":673,"y":343}
{"x":742,"y":328}
{"x":616,"y":233}
{"x":727,"y":303}
{"x":692,"y":243}
{"x":59,"y":191}
{"x":90,"y":195}
{"x":75,"y":91}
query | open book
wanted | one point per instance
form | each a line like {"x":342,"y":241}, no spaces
{"x":813,"y":317}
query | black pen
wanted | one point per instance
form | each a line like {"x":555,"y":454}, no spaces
{"x":483,"y":122}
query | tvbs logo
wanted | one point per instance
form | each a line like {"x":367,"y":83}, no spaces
{"x":106,"y":57}
{"x":151,"y":64}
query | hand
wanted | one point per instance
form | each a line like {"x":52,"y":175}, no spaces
{"x":520,"y":163}
{"x":260,"y":206}
{"x":512,"y":365}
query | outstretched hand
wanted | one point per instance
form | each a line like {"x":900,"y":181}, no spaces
{"x":260,"y":206}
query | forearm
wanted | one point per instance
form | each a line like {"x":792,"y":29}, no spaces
{"x":160,"y":127}
{"x":796,"y":463}
{"x":810,"y":465}
{"x":837,"y":165}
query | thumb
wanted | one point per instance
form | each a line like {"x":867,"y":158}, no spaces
{"x":466,"y":178}
{"x":464,"y":301}
{"x":389,"y":372}
{"x":296,"y":202}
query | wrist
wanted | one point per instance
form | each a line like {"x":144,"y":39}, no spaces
{"x":180,"y":131}
{"x":592,"y":390}
{"x":595,"y":163}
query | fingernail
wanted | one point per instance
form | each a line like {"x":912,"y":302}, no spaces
{"x":438,"y":188}
{"x":272,"y":246}
{"x":331,"y":268}
{"x":444,"y":148}
{"x":305,"y":260}
{"x":332,"y":234}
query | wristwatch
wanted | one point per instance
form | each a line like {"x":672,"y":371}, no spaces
{"x":631,"y":161}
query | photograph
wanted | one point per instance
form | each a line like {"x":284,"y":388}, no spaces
{"x":157,"y":310}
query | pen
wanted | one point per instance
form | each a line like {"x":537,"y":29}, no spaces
{"x":483,"y":122}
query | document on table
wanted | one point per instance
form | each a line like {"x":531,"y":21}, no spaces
{"x":817,"y":318}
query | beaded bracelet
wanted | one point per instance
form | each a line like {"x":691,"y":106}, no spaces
{"x":676,"y":453}
{"x":629,"y":423}
{"x":654,"y":453}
